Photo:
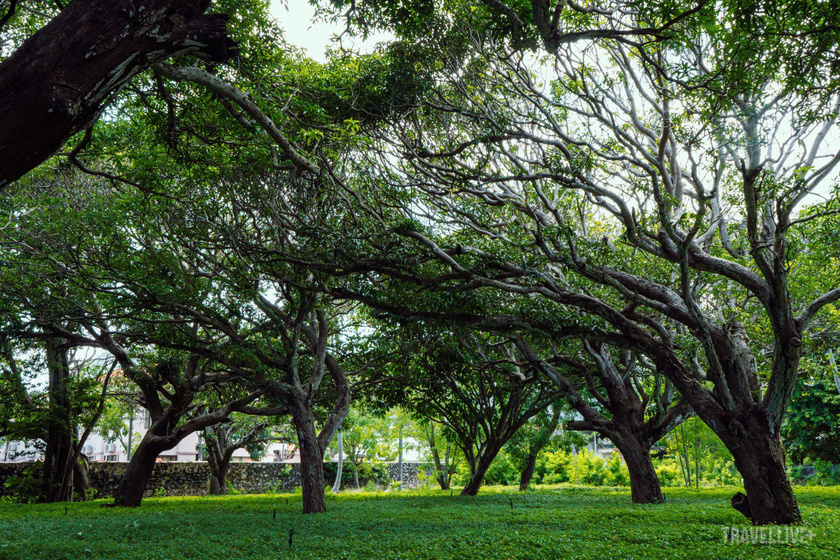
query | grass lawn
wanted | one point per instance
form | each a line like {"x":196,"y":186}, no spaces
{"x":552,"y":523}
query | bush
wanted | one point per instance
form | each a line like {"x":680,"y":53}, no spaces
{"x":617,"y":473}
{"x":369,"y":474}
{"x":502,"y":471}
{"x":720,"y":471}
{"x":586,"y":468}
{"x":375,"y":472}
{"x":827,"y":474}
{"x":331,"y":470}
{"x":28,"y":487}
{"x":669,"y":473}
{"x":582,"y":468}
{"x":553,"y":468}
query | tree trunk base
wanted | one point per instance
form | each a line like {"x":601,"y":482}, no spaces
{"x":769,"y":495}
{"x":644,"y":482}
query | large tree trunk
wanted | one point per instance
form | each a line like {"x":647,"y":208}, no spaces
{"x":745,"y":430}
{"x":58,"y":467}
{"x":644,"y":483}
{"x":138,"y":473}
{"x":218,"y":475}
{"x":527,"y":472}
{"x":311,"y":458}
{"x":760,"y":460}
{"x":478,"y":472}
{"x":60,"y":80}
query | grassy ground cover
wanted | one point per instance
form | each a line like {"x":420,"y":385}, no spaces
{"x":550,"y":523}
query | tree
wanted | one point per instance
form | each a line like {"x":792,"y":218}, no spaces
{"x":600,"y":190}
{"x":59,"y":291}
{"x":812,"y":426}
{"x":62,"y":417}
{"x":474,"y":385}
{"x":222,"y":439}
{"x":362,"y":440}
{"x":117,"y":423}
{"x":60,"y":80}
{"x":523,"y":25}
{"x":618,"y":406}
{"x":533,"y":437}
{"x":448,"y":466}
{"x":172,"y":384}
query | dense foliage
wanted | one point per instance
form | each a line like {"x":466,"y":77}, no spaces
{"x":511,"y":202}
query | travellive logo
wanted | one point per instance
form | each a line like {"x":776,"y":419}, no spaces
{"x":768,"y":535}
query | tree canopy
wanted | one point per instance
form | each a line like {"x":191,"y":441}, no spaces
{"x":632,"y":205}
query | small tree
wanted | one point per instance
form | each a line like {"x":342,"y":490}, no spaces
{"x":222,"y":439}
{"x":445,"y":463}
{"x":478,"y":388}
{"x":62,"y":417}
{"x":530,"y":440}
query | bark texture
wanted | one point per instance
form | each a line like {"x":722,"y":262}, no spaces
{"x":527,"y":472}
{"x":479,"y":470}
{"x":139,"y":471}
{"x":631,"y":427}
{"x":644,"y":483}
{"x":311,"y":458}
{"x":59,"y":81}
{"x":760,"y":459}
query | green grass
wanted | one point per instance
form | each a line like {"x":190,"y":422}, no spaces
{"x":550,"y":523}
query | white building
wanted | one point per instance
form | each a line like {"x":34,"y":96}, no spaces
{"x":97,"y":448}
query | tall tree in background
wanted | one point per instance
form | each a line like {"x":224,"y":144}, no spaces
{"x":626,"y":400}
{"x":221,"y":440}
{"x":474,"y":385}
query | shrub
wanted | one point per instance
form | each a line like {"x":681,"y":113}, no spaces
{"x":669,"y":473}
{"x":502,"y":471}
{"x":586,"y":468}
{"x":375,"y":472}
{"x":720,"y":471}
{"x":331,"y":470}
{"x":553,"y":467}
{"x":827,"y":474}
{"x":617,"y":473}
{"x":28,"y":487}
{"x":369,"y":473}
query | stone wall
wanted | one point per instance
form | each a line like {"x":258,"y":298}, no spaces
{"x":182,"y":479}
{"x":193,"y":479}
{"x":411,"y":473}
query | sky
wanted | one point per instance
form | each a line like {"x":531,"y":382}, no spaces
{"x":295,"y":17}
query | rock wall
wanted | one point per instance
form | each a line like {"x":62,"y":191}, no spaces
{"x":193,"y":479}
{"x":411,"y":473}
